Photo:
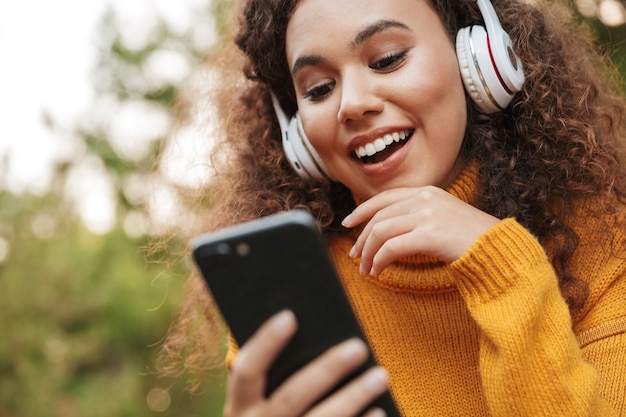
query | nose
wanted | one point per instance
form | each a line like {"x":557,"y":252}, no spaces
{"x":358,"y":98}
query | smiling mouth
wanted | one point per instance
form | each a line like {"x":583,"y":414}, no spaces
{"x":381,"y":148}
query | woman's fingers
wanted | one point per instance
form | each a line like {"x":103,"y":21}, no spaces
{"x":371,"y":207}
{"x":246,"y":386}
{"x":375,"y":412}
{"x":247,"y":380}
{"x":386,"y":206}
{"x":304,"y":388}
{"x":391,"y":215}
{"x":408,"y":221}
{"x":355,"y":396}
{"x":386,"y":241}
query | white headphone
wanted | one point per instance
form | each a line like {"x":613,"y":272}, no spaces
{"x":490,"y":69}
{"x":298,"y":150}
{"x":491,"y":72}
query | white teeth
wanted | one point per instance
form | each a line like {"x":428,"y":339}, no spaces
{"x":380,"y":144}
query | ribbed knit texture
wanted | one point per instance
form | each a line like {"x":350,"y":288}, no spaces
{"x":490,"y":334}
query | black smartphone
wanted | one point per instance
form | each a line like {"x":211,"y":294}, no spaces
{"x":256,"y":269}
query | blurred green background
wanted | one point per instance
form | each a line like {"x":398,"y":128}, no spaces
{"x":84,"y":306}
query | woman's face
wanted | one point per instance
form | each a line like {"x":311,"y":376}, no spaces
{"x":379,"y":79}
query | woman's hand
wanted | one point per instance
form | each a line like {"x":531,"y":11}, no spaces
{"x":298,"y":396}
{"x":406,"y":221}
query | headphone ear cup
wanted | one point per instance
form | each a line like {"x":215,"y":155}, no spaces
{"x":309,"y":157}
{"x":296,"y":146}
{"x":290,"y":152}
{"x":469,"y":74}
{"x":301,"y":154}
{"x":491,"y":71}
{"x":477,"y":71}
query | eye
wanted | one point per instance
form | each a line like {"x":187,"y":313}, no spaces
{"x":319,"y":92}
{"x":389,"y":61}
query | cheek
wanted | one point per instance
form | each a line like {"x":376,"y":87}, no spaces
{"x":441,"y":95}
{"x":448,"y":123}
{"x":456,"y":111}
{"x":320,"y":128}
{"x":437,"y":69}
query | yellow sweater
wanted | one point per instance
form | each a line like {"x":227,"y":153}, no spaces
{"x":490,"y":334}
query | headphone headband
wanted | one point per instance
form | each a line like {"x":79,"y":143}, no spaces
{"x":511,"y":71}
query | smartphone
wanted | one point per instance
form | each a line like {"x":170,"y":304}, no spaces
{"x":256,"y":269}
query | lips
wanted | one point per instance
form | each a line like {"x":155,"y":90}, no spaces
{"x":381,"y":148}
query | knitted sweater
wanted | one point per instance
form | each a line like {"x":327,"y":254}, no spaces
{"x":490,"y":334}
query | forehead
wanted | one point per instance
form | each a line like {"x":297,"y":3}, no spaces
{"x":352,"y":6}
{"x":323,"y":21}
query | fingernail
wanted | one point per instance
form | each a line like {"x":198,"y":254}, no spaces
{"x":351,"y":348}
{"x":345,"y":222}
{"x":353,"y":252}
{"x":362,"y":270}
{"x":282,"y":322}
{"x":377,"y":412}
{"x":376,"y":379}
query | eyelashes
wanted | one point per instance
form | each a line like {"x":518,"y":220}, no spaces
{"x":319,"y":92}
{"x":388,"y":63}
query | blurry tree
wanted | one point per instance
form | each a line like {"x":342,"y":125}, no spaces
{"x":80,"y":313}
{"x":85,"y":299}
{"x":607,"y":19}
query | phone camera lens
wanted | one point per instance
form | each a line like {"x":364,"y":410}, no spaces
{"x":243,"y":249}
{"x":222,"y":249}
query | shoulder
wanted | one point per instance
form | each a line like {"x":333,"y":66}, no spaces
{"x":601,"y":228}
{"x":600,"y":260}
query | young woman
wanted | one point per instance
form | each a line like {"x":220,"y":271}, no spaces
{"x":475,"y":209}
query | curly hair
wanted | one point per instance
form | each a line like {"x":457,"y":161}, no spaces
{"x":560,"y":141}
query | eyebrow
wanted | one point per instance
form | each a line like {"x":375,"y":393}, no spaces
{"x":376,"y":27}
{"x":304,"y":61}
{"x":362,"y":36}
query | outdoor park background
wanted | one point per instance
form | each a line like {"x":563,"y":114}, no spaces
{"x":85,"y":295}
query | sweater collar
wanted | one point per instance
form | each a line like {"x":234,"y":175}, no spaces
{"x":465,"y":187}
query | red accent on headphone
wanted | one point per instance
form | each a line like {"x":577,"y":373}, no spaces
{"x":493,"y":63}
